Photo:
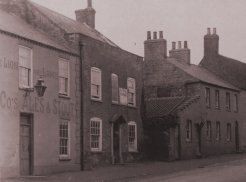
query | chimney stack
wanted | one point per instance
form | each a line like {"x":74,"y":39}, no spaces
{"x":211,"y":44}
{"x":86,"y":15}
{"x":180,"y":54}
{"x":155,"y":49}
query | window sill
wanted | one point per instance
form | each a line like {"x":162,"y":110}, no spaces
{"x":64,"y":96}
{"x":97,"y":151}
{"x":132,"y":106}
{"x":30,"y":89}
{"x":96,"y":100}
{"x":65,"y":159}
{"x":188,"y":140}
{"x":133,"y":151}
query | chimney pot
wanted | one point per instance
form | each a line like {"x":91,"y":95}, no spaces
{"x":89,"y":3}
{"x":173,"y":45}
{"x":185,"y":44}
{"x":179,"y":44}
{"x":155,"y":35}
{"x":161,"y":34}
{"x":149,"y":35}
{"x":214,"y":31}
{"x":208,"y":31}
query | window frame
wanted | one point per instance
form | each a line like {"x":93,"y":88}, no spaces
{"x":113,"y":75}
{"x":99,"y":148}
{"x":135,"y":143}
{"x":188,"y":129}
{"x":209,"y":130}
{"x":217,"y":99}
{"x":22,"y":86}
{"x":99,"y":96}
{"x":207,"y":97}
{"x":228,"y":101}
{"x":68,"y":77}
{"x":228,"y":132}
{"x":218,"y":130}
{"x":65,"y":156}
{"x":235,"y":103}
{"x":131,"y":91}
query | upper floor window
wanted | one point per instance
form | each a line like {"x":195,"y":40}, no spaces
{"x":235,"y":103}
{"x":64,"y":139}
{"x":217,"y":130}
{"x":115,"y":88}
{"x":228,"y":133}
{"x":228,"y":101}
{"x":209,"y":130}
{"x":132,"y":136}
{"x":96,"y":84}
{"x":188,"y":130}
{"x":131,"y":88}
{"x":217,"y":99}
{"x":96,"y":134}
{"x":25,"y":67}
{"x":63,"y":77}
{"x":207,"y":96}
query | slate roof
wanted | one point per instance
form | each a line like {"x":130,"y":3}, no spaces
{"x":202,"y":74}
{"x":72,"y":26}
{"x":15,"y":25}
{"x":231,"y":70}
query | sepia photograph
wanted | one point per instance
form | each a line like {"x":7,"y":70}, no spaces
{"x":122,"y":91}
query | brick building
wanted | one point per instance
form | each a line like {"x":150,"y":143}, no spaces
{"x":194,"y":112}
{"x":90,"y":112}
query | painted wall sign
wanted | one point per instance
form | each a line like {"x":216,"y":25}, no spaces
{"x":123,"y":96}
{"x":8,"y":64}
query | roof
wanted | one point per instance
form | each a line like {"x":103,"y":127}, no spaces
{"x":231,"y":70}
{"x":15,"y":25}
{"x":72,"y":26}
{"x":201,"y":74}
{"x":163,"y":106}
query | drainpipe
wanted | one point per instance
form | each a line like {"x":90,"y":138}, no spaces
{"x":81,"y":49}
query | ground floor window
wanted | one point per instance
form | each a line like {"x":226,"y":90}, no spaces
{"x":188,"y":130}
{"x":217,"y":130}
{"x":64,"y":139}
{"x":96,"y":134}
{"x":228,"y":132}
{"x":132,"y":136}
{"x":209,"y":130}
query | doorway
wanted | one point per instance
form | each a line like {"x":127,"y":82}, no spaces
{"x":116,"y":143}
{"x":26,"y":144}
{"x":237,"y":136}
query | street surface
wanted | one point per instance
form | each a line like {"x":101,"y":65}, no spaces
{"x":225,"y":168}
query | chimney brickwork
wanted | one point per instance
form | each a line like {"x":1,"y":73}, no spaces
{"x":181,"y":54}
{"x":86,"y":15}
{"x":211,"y":43}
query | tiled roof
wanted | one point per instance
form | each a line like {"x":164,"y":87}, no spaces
{"x":202,"y":74}
{"x":228,"y":69}
{"x":15,"y":25}
{"x":159,"y":107}
{"x":72,"y":26}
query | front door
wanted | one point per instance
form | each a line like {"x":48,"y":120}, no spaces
{"x":116,"y":143}
{"x":25,"y":145}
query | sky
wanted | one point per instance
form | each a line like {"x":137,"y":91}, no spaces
{"x":126,"y":22}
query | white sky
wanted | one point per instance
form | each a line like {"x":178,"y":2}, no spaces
{"x":126,"y":22}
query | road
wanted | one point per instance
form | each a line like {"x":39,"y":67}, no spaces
{"x":234,"y":171}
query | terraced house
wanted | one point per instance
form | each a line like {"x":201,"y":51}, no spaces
{"x":69,"y":97}
{"x":189,"y":111}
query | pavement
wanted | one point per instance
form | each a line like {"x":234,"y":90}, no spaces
{"x":141,"y":171}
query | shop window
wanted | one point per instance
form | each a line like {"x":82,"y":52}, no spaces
{"x":131,"y":88}
{"x":64,"y":77}
{"x":64,"y":139}
{"x":25,"y":67}
{"x":96,"y":134}
{"x":96,"y":84}
{"x":132,"y":136}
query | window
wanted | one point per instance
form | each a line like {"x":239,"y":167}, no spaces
{"x":209,"y":130}
{"x":228,"y":101}
{"x":25,"y":67}
{"x":217,"y":99}
{"x":235,"y":103}
{"x":228,"y":132}
{"x":63,"y":77}
{"x":188,"y":130}
{"x":96,"y":84}
{"x":132,"y":136}
{"x":217,"y":130}
{"x":96,"y":134}
{"x":115,"y":88}
{"x":207,"y":96}
{"x":131,"y":88}
{"x":64,"y":139}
